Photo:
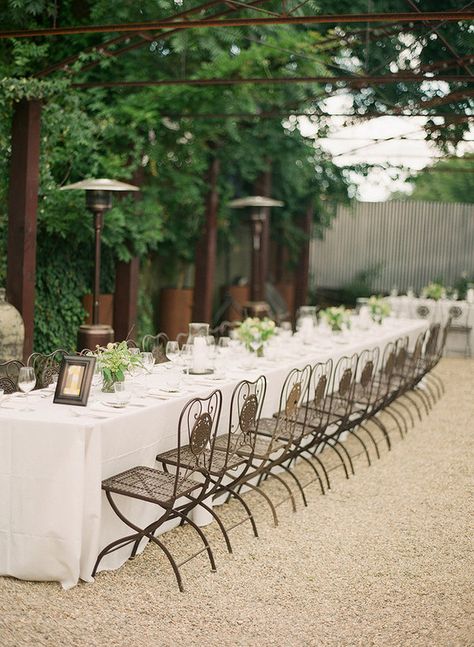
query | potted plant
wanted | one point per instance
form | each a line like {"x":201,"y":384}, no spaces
{"x":114,"y":360}
{"x":378,"y":308}
{"x":254,"y":333}
{"x":435,"y":291}
{"x":337,"y":318}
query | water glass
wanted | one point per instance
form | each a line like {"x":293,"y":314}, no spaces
{"x":122,"y":394}
{"x":172,"y":351}
{"x":26,"y":381}
{"x":2,"y":396}
{"x":186,"y":356}
{"x":148,"y":361}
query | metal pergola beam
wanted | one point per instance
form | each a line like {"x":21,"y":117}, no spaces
{"x":329,"y":80}
{"x":430,"y":16}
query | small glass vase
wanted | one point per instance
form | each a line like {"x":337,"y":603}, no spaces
{"x":108,"y":385}
{"x":257,"y":351}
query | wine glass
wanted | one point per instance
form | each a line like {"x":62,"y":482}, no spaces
{"x":187,"y":356}
{"x":172,"y":351}
{"x":148,"y":361}
{"x":26,"y":381}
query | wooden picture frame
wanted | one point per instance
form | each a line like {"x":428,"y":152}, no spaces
{"x":74,"y":380}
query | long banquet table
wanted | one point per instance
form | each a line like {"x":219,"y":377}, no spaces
{"x":53,"y":517}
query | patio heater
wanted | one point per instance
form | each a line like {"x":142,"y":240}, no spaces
{"x":257,"y":306}
{"x":98,"y":201}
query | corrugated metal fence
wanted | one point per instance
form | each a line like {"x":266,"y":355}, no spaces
{"x":411,"y":244}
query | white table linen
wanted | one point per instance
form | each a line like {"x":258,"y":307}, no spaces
{"x":54,"y":518}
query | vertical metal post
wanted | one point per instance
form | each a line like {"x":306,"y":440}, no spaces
{"x":257,"y":283}
{"x":22,"y":207}
{"x":206,"y":250}
{"x":98,"y":223}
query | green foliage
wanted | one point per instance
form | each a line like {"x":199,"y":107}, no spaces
{"x":446,"y":181}
{"x":361,"y":285}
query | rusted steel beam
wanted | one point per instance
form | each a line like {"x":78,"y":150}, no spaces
{"x":323,"y":115}
{"x":356,"y":81}
{"x":446,"y":16}
{"x":22,"y":208}
{"x":302,"y":269}
{"x":206,"y":250}
{"x":126,"y":298}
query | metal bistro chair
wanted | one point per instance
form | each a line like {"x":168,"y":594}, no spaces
{"x":312,"y":422}
{"x":437,"y":357}
{"x":461,"y":324}
{"x":176,"y":494}
{"x":46,"y":367}
{"x":274,"y":438}
{"x":9,"y":372}
{"x":156,"y":344}
{"x":424,"y":309}
{"x":338,"y":406}
{"x":245,"y":409}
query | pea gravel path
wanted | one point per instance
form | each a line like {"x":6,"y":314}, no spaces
{"x":384,"y":559}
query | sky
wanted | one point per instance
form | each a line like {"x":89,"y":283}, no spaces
{"x":378,"y":185}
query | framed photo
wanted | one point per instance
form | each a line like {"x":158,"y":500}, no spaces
{"x":74,"y":380}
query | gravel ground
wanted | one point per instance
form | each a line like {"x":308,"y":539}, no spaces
{"x":384,"y":559}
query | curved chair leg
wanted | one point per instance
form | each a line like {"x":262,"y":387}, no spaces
{"x":440,"y":382}
{"x":142,"y":533}
{"x":353,"y":433}
{"x":435,"y":385}
{"x":326,"y":444}
{"x":201,"y":535}
{"x":267,"y":499}
{"x":216,"y":517}
{"x":402,"y":431}
{"x":326,"y":476}
{"x":405,"y":408}
{"x":383,"y":429}
{"x":414,"y":403}
{"x":245,"y":506}
{"x":298,"y":484}
{"x":328,"y":440}
{"x":424,"y":387}
{"x":287,"y":488}
{"x":424,"y":399}
{"x":369,"y":434}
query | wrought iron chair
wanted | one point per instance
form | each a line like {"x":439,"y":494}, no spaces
{"x":176,"y":494}
{"x":312,"y":423}
{"x":274,"y":439}
{"x":228,"y":463}
{"x":9,"y":375}
{"x":46,"y":366}
{"x":181,"y":338}
{"x":424,"y":309}
{"x":156,"y":344}
{"x":460,"y":323}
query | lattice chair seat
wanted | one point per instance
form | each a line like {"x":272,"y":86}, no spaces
{"x":149,"y":484}
{"x":263,"y":445}
{"x":187,"y":459}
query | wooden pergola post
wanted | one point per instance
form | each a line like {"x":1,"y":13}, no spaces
{"x":302,"y":269}
{"x":206,"y":251}
{"x":22,"y":207}
{"x":126,"y":298}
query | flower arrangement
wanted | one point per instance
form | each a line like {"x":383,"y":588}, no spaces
{"x":378,"y":308}
{"x":114,"y":360}
{"x":254,"y":332}
{"x":435,"y":291}
{"x":337,"y":318}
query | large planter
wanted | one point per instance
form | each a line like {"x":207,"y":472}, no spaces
{"x":240,"y":294}
{"x":106,"y":309}
{"x":12,"y":331}
{"x":176,"y":306}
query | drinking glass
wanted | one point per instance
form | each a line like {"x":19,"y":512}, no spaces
{"x":172,"y":351}
{"x":26,"y":381}
{"x":256,"y":342}
{"x":122,"y":395}
{"x":187,"y":356}
{"x":148,"y":361}
{"x":2,"y":396}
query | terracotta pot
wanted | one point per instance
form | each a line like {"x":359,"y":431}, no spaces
{"x":287,"y":291}
{"x":106,"y":309}
{"x":175,"y":310}
{"x":240,"y":294}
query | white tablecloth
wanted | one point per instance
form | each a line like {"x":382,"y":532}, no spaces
{"x":437,"y":312}
{"x":53,"y":517}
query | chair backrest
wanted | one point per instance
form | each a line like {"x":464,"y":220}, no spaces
{"x":317,"y":415}
{"x":367,"y":366}
{"x":197,"y":428}
{"x":424,"y":309}
{"x":9,"y":375}
{"x":156,"y":344}
{"x":245,"y":411}
{"x":46,"y":366}
{"x":386,"y":373}
{"x":460,"y":314}
{"x":293,"y":398}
